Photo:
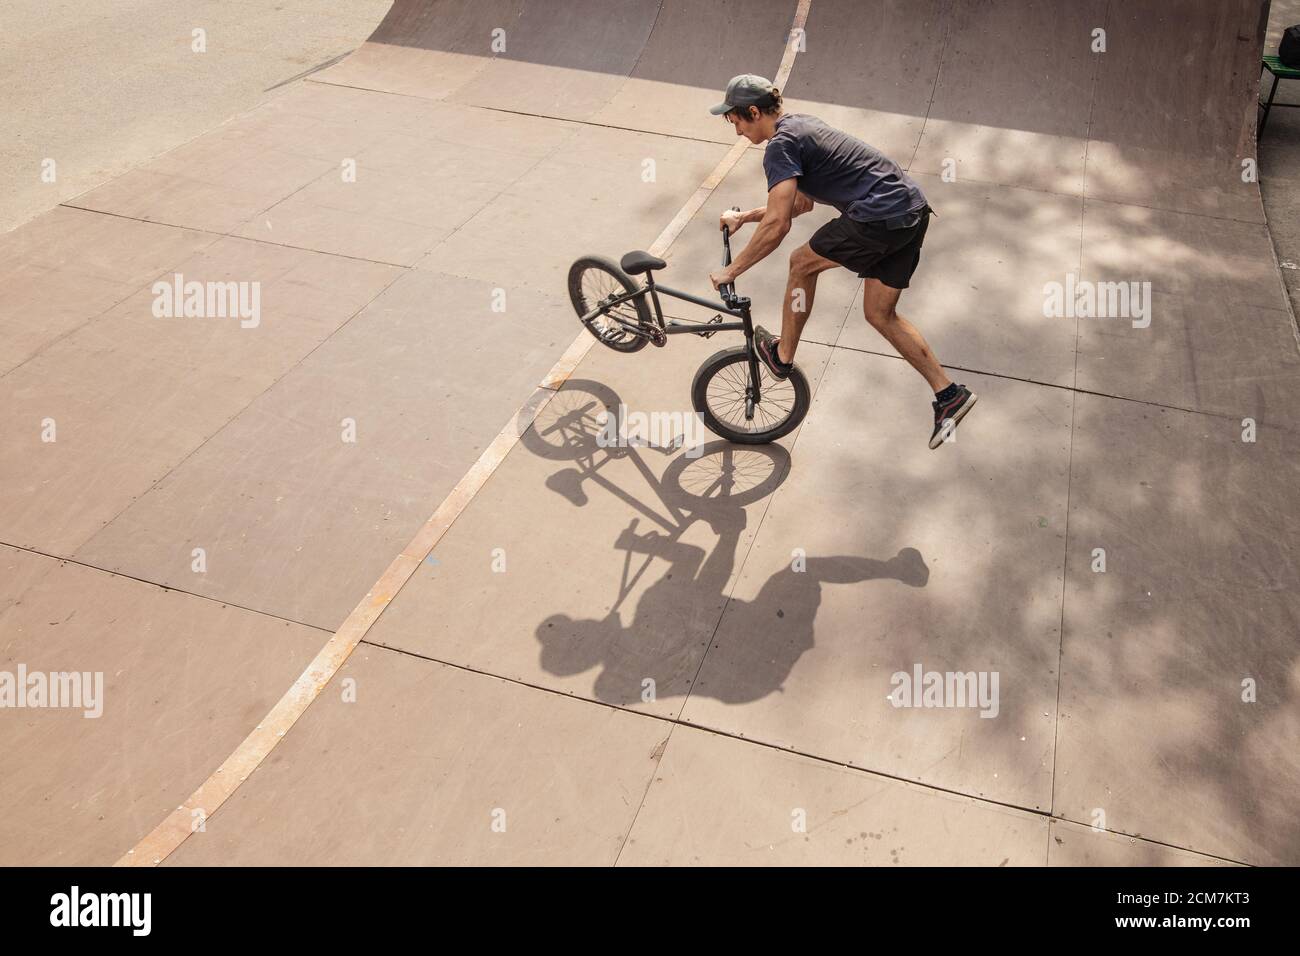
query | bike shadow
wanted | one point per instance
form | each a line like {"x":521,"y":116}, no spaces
{"x":652,"y":641}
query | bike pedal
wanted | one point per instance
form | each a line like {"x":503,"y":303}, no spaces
{"x":716,"y":320}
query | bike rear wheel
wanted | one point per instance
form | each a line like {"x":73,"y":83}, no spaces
{"x":722,"y":394}
{"x":593,"y":280}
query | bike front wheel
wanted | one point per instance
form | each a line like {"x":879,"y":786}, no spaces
{"x":723,"y":395}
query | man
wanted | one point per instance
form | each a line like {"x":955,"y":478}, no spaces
{"x":878,"y":235}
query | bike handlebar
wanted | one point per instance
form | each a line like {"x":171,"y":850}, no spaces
{"x":727,"y":291}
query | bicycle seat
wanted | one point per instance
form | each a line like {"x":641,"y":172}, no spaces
{"x":637,"y":262}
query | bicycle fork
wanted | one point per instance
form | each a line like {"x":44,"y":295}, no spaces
{"x":753,"y":394}
{"x":740,"y":304}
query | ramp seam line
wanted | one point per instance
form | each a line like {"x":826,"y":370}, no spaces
{"x":502,"y":109}
{"x":768,"y":745}
{"x":1033,"y":381}
{"x":63,"y":559}
{"x":1074,"y":411}
{"x":659,"y":11}
{"x":934,"y":88}
{"x":310,"y":70}
{"x":218,"y":235}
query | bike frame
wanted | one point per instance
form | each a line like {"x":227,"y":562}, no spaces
{"x":732,"y":304}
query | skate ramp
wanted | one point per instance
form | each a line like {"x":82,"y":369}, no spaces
{"x":481,"y":175}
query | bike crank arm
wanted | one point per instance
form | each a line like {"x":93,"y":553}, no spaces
{"x":604,"y":310}
{"x":636,"y":330}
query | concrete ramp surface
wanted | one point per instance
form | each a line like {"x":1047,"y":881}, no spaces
{"x":354,"y":554}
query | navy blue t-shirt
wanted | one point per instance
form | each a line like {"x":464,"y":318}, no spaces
{"x":838,"y":169}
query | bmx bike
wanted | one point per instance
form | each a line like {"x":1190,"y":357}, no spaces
{"x":734,"y":392}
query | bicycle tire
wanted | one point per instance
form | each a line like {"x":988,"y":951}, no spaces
{"x":791,"y":397}
{"x":608,"y":334}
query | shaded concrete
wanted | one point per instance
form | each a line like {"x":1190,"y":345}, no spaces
{"x":906,"y":570}
{"x":599,"y":42}
{"x":688,"y":59}
{"x":981,"y":123}
{"x":879,"y":81}
{"x":1215,"y":336}
{"x":644,"y":65}
{"x":1197,"y":597}
{"x":1156,"y":155}
{"x":978,"y":294}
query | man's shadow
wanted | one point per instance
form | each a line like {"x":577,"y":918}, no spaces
{"x":676,"y":616}
{"x":660,"y":650}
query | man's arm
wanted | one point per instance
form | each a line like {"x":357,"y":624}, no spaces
{"x":734,"y":220}
{"x":773,"y":225}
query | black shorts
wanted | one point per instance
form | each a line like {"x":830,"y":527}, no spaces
{"x":871,"y":249}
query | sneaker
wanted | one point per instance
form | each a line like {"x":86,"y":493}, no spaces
{"x":951,"y":411}
{"x":909,"y":567}
{"x":765,"y":344}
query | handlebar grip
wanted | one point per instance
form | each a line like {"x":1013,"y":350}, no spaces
{"x":726,"y":241}
{"x":727,"y":291}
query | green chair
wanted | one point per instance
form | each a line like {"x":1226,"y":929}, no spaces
{"x":1280,"y":72}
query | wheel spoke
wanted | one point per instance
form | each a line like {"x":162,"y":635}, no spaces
{"x":596,"y":286}
{"x":726,"y":395}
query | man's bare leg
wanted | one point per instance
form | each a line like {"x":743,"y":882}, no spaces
{"x":805,"y":266}
{"x":879,"y":303}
